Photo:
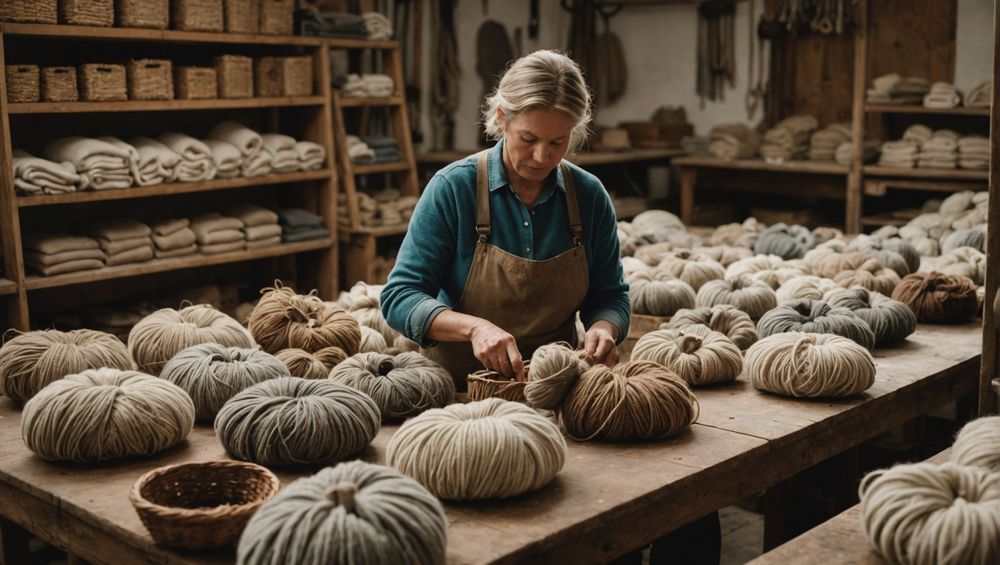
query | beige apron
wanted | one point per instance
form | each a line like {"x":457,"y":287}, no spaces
{"x":535,"y":301}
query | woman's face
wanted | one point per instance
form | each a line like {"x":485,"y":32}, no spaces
{"x":535,"y":141}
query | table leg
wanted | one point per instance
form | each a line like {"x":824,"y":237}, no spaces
{"x":13,"y":543}
{"x":689,"y":176}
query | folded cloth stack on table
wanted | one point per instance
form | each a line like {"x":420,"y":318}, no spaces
{"x":386,"y":207}
{"x":173,"y":238}
{"x":57,"y":253}
{"x":824,"y":143}
{"x":123,"y":240}
{"x":358,"y":151}
{"x":869,"y":152}
{"x":284,"y":157}
{"x":733,"y":141}
{"x":33,"y":175}
{"x":260,"y":225}
{"x":974,"y":152}
{"x":227,"y":158}
{"x":940,"y":151}
{"x":157,"y":162}
{"x":980,"y":96}
{"x":788,"y":140}
{"x":942,"y":95}
{"x":101,"y":165}
{"x":384,"y":147}
{"x":196,"y":158}
{"x":899,"y":154}
{"x":332,"y":24}
{"x":367,"y":209}
{"x":311,"y":155}
{"x":301,"y":225}
{"x":377,"y":25}
{"x":216,"y":233}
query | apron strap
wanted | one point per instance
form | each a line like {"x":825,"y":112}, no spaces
{"x":483,"y":195}
{"x":572,"y":205}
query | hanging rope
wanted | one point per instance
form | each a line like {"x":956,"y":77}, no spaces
{"x":445,"y":74}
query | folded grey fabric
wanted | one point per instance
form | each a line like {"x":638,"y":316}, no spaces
{"x":252,"y":215}
{"x":297,"y":217}
{"x":50,"y":243}
{"x":177,"y":240}
{"x":67,"y":267}
{"x":265,"y":231}
{"x":178,"y":252}
{"x":121,"y":245}
{"x":222,"y":247}
{"x":167,"y":227}
{"x":377,"y":141}
{"x":266,"y":242}
{"x":118,"y":228}
{"x":48,"y":260}
{"x":137,"y":255}
{"x":305,"y":234}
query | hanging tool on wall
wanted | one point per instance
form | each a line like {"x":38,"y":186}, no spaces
{"x":445,"y":73}
{"x":715,"y":54}
{"x":757,"y":64}
{"x":493,"y":52}
{"x":610,"y":67}
{"x":533,"y":21}
{"x":821,"y":16}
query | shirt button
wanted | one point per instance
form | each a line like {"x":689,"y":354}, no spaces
{"x":525,"y":224}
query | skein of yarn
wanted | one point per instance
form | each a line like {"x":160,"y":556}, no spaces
{"x":723,"y":318}
{"x":725,"y":254}
{"x":353,"y":513}
{"x":32,"y":360}
{"x":300,"y":363}
{"x":970,"y":237}
{"x":978,"y":444}
{"x":366,"y":311}
{"x":871,"y":275}
{"x":924,"y":513}
{"x":211,"y":374}
{"x":812,"y":365}
{"x":372,"y":341}
{"x":164,"y":333}
{"x":402,"y":386}
{"x":692,"y":268}
{"x":652,"y":254}
{"x":806,"y":286}
{"x":890,"y":320}
{"x":697,"y":354}
{"x":290,"y":421}
{"x":283,"y":319}
{"x":964,"y":261}
{"x":938,"y":298}
{"x":659,"y":293}
{"x":787,"y":242}
{"x":894,"y":253}
{"x":816,"y":316}
{"x":653,"y":220}
{"x":490,"y":448}
{"x":746,"y":294}
{"x":103,"y":414}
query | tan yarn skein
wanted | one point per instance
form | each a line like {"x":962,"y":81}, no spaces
{"x":366,"y":311}
{"x":806,"y":286}
{"x":890,"y":320}
{"x":32,"y":360}
{"x":652,"y":254}
{"x":659,"y":294}
{"x":816,"y":316}
{"x":300,"y":363}
{"x":283,"y":319}
{"x":162,"y":334}
{"x":813,"y":365}
{"x":691,"y":268}
{"x":372,"y":341}
{"x":697,"y":354}
{"x":402,"y":386}
{"x":726,"y":255}
{"x":978,"y":444}
{"x":751,"y":296}
{"x":754,"y":264}
{"x":723,"y":318}
{"x":938,"y":298}
{"x":871,"y":275}
{"x":103,"y":414}
{"x":489,"y":448}
{"x":554,"y":368}
{"x":928,"y":514}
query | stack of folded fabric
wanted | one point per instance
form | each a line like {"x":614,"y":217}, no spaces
{"x":33,"y":175}
{"x":974,"y":152}
{"x":311,"y":155}
{"x":384,"y":147}
{"x":157,"y":162}
{"x":378,"y":86}
{"x":196,"y":163}
{"x":940,"y":151}
{"x":980,"y":96}
{"x":260,"y":225}
{"x":899,"y":154}
{"x":173,"y":238}
{"x":942,"y":95}
{"x":57,"y":253}
{"x":869,"y":151}
{"x":377,"y":25}
{"x":733,"y":141}
{"x":367,"y":209}
{"x":301,"y":225}
{"x":894,"y":89}
{"x":133,"y":154}
{"x":123,"y":240}
{"x":358,"y":151}
{"x":256,"y":161}
{"x":284,"y":157}
{"x":695,"y":144}
{"x":918,"y":133}
{"x":788,"y":139}
{"x":216,"y":233}
{"x":227,"y":158}
{"x":101,"y":165}
{"x":351,"y":86}
{"x":824,"y":143}
{"x":332,"y":24}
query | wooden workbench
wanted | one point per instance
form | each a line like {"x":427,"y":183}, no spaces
{"x":609,"y":498}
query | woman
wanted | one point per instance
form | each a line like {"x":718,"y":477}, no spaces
{"x":506,"y":246}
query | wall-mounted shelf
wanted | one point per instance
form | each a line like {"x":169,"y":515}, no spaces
{"x":352,"y":102}
{"x":905,"y":109}
{"x":161,"y":105}
{"x":74,"y":32}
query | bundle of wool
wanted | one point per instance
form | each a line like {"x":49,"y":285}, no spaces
{"x":829,"y":263}
{"x":164,"y":333}
{"x":972,"y":237}
{"x":692,"y":268}
{"x":890,"y":320}
{"x":869,"y":274}
{"x":938,"y":298}
{"x":787,"y":242}
{"x":284,"y":319}
{"x":32,"y":360}
{"x":737,"y":234}
{"x":883,"y":250}
{"x":652,"y":253}
{"x":365,"y":309}
{"x":300,"y":363}
{"x":211,"y":374}
{"x":632,"y":265}
{"x":806,"y":286}
{"x":965,"y":261}
{"x":490,"y":448}
{"x":355,"y":512}
{"x":816,"y":316}
{"x":402,"y":386}
{"x":725,"y":254}
{"x":102,"y":414}
{"x":372,"y":341}
{"x":659,"y":293}
{"x":293,"y":421}
{"x":697,"y":354}
{"x":978,"y":444}
{"x":770,"y":269}
{"x":812,"y":365}
{"x":957,"y":202}
{"x":723,"y":318}
{"x":651,"y":221}
{"x":751,"y":296}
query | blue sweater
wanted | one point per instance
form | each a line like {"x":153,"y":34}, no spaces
{"x":434,"y":261}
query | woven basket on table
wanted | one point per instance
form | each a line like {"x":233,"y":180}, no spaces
{"x":29,"y":11}
{"x":59,"y":84}
{"x":491,"y":384}
{"x":22,"y":83}
{"x":196,"y":15}
{"x":276,"y":17}
{"x":283,"y":76}
{"x":201,"y":505}
{"x":151,"y":14}
{"x":234,"y":74}
{"x":241,"y":16}
{"x":150,"y":79}
{"x":100,"y":82}
{"x":195,"y":83}
{"x":87,"y":12}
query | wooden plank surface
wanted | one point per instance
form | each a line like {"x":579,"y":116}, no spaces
{"x":926,"y":173}
{"x":351,"y":102}
{"x":374,"y":168}
{"x":348,"y":43}
{"x":904,"y":109}
{"x":157,"y":35}
{"x":162,"y":105}
{"x":813,"y":167}
{"x":7,"y":286}
{"x":585,"y":159}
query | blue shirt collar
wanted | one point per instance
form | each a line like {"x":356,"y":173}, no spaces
{"x":498,"y":174}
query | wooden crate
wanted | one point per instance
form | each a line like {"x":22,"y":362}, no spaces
{"x":234,"y":74}
{"x":87,"y":12}
{"x":59,"y":84}
{"x":29,"y":11}
{"x":196,"y":15}
{"x":150,"y":79}
{"x":241,"y":16}
{"x":22,"y":83}
{"x":276,"y":17}
{"x":152,"y":14}
{"x":283,"y":76}
{"x":195,"y":83}
{"x":100,"y":82}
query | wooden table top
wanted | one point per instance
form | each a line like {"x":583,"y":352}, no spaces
{"x":609,"y":498}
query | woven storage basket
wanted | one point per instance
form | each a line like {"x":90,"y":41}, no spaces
{"x":276,"y":17}
{"x":196,"y":15}
{"x":201,"y":505}
{"x":22,"y":83}
{"x":242,"y":16}
{"x":59,"y":84}
{"x":491,"y":384}
{"x":99,"y":82}
{"x":153,"y":14}
{"x":192,"y":83}
{"x":283,"y":76}
{"x":235,"y":76}
{"x":87,"y":12}
{"x":150,"y":79}
{"x":29,"y":11}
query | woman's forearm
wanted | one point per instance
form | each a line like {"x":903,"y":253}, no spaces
{"x":453,"y":326}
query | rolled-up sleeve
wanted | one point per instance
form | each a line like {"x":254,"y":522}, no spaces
{"x":607,"y":296}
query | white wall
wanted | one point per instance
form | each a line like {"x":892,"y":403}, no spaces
{"x":973,"y":43}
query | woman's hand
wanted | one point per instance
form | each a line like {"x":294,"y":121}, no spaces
{"x":599,"y":343}
{"x":497,"y":350}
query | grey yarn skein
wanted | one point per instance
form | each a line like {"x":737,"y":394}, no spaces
{"x":890,"y":320}
{"x":697,"y":354}
{"x":723,"y":318}
{"x":816,"y":316}
{"x":971,"y":237}
{"x":402,"y":386}
{"x":211,"y":374}
{"x":103,"y":414}
{"x":873,"y":247}
{"x":751,"y":296}
{"x":978,"y":444}
{"x":355,"y":513}
{"x":659,"y":294}
{"x":787,"y":242}
{"x":292,"y":421}
{"x":812,"y":365}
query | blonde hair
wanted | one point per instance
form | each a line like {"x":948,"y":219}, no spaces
{"x":544,"y":79}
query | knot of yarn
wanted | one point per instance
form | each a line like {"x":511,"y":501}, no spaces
{"x":811,"y":365}
{"x":816,"y":316}
{"x":316,"y":365}
{"x":342,"y":494}
{"x":401,"y":386}
{"x":890,"y":320}
{"x":697,"y":354}
{"x":283,"y":319}
{"x":164,"y":333}
{"x":748,"y":295}
{"x":938,"y":298}
{"x":723,"y":318}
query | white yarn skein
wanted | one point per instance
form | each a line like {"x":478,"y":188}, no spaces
{"x":978,"y":444}
{"x":812,"y":365}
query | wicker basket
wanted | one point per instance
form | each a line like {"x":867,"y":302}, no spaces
{"x":150,"y":79}
{"x":195,"y":83}
{"x":99,"y":82}
{"x":276,"y":17}
{"x":87,"y":12}
{"x":196,"y":15}
{"x":201,"y":505}
{"x":22,"y":83}
{"x":153,"y":14}
{"x":29,"y":11}
{"x":59,"y":84}
{"x":242,"y":16}
{"x":283,"y":76}
{"x":235,"y":76}
{"x":491,"y":384}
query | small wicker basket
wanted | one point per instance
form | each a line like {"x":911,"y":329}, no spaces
{"x":491,"y":384}
{"x":152,"y":14}
{"x":196,"y":15}
{"x":242,"y":16}
{"x":235,"y":76}
{"x":201,"y":505}
{"x":150,"y":79}
{"x":22,"y":83}
{"x":59,"y":84}
{"x":29,"y":11}
{"x":284,"y":76}
{"x":87,"y":12}
{"x":276,"y":17}
{"x":195,"y":83}
{"x":100,"y":82}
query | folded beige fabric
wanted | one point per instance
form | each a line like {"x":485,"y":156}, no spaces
{"x":136,"y":255}
{"x":258,"y":165}
{"x":182,"y":238}
{"x":245,"y":139}
{"x":196,"y":158}
{"x":311,"y":155}
{"x":64,"y":257}
{"x":284,"y":157}
{"x":222,"y":247}
{"x":118,"y":228}
{"x":33,"y":175}
{"x":917,"y":133}
{"x":265,"y":231}
{"x":221,"y":236}
{"x":121,"y":245}
{"x":266,"y":242}
{"x":67,"y":267}
{"x":252,"y":215}
{"x":981,"y":96}
{"x":157,"y":162}
{"x":227,"y":158}
{"x":178,"y":252}
{"x":52,"y":243}
{"x":207,"y":223}
{"x":942,"y":95}
{"x":104,"y":165}
{"x":133,"y":153}
{"x":169,"y":226}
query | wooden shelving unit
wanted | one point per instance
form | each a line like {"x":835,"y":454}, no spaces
{"x":162,"y":105}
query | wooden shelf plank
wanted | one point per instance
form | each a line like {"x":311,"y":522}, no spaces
{"x":382,"y":231}
{"x":807,"y":167}
{"x":162,"y":105}
{"x":7,"y":286}
{"x":381,"y":168}
{"x":170,"y":188}
{"x":161,"y":265}
{"x":909,"y":109}
{"x":155,"y":35}
{"x":350,"y":102}
{"x":348,"y":43}
{"x":926,"y":173}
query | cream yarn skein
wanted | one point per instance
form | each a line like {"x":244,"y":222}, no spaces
{"x":691,"y":267}
{"x":283,"y":319}
{"x":725,"y":254}
{"x":723,"y":318}
{"x":659,"y":294}
{"x":978,"y":444}
{"x":806,"y":286}
{"x":890,"y":320}
{"x":816,"y":316}
{"x":372,"y":341}
{"x":652,"y":220}
{"x":749,"y":295}
{"x":164,"y":333}
{"x":103,"y":414}
{"x":812,"y":365}
{"x":402,"y":386}
{"x":652,"y":254}
{"x":555,"y":368}
{"x":300,"y":363}
{"x":697,"y":354}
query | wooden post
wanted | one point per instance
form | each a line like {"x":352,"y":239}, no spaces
{"x":327,"y":274}
{"x":987,"y":398}
{"x":853,"y":206}
{"x":10,"y":218}
{"x":689,"y":176}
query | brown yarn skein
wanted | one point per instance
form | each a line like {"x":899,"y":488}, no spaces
{"x":871,"y":275}
{"x":938,"y":298}
{"x":307,"y":365}
{"x":284,"y":319}
{"x":697,"y":354}
{"x":166,"y":332}
{"x":723,"y":318}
